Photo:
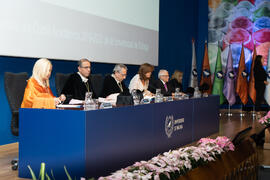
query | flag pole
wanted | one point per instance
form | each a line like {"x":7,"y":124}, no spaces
{"x":253,"y":111}
{"x":229,"y":110}
{"x":241,"y":112}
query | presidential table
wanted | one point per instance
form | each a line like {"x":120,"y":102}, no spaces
{"x":98,"y":142}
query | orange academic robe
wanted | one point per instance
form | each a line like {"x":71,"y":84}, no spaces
{"x":36,"y":96}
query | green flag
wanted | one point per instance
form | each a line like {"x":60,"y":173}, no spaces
{"x":218,"y":79}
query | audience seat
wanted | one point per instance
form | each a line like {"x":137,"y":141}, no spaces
{"x":60,"y":80}
{"x":97,"y":82}
{"x":15,"y":84}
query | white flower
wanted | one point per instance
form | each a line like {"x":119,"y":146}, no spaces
{"x":174,"y":160}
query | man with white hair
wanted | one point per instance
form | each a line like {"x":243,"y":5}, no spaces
{"x":114,"y":83}
{"x":162,"y":83}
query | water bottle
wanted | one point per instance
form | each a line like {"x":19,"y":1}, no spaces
{"x":197,"y":93}
{"x":89,"y":103}
{"x":159,"y":96}
{"x":177,"y":94}
{"x":135,"y":96}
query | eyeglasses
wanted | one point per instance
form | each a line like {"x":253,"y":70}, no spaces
{"x":86,"y":67}
{"x":123,"y":74}
{"x":165,"y":75}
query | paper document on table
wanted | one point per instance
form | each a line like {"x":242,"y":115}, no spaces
{"x":148,"y":97}
{"x":76,"y":101}
{"x":68,"y":106}
{"x":109,"y":99}
{"x":112,"y":97}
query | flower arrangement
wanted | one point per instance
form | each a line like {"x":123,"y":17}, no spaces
{"x":265,"y":120}
{"x":173,"y":164}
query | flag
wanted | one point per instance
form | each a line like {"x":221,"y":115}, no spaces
{"x":218,"y":79}
{"x":193,"y":80}
{"x":229,"y":90}
{"x":206,"y":74}
{"x":251,"y":83}
{"x":267,"y":89}
{"x":241,"y":81}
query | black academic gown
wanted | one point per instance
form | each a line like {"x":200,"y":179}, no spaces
{"x":159,"y":85}
{"x":75,"y":88}
{"x":110,"y":86}
{"x":260,"y":76}
{"x":175,"y":84}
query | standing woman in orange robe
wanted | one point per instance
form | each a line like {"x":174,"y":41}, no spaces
{"x":38,"y":93}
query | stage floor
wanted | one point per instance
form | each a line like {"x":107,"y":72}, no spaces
{"x":229,"y":126}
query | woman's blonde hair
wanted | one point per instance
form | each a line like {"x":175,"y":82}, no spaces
{"x":41,"y":70}
{"x":176,"y":75}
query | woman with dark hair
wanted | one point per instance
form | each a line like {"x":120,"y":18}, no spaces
{"x":141,"y":80}
{"x":260,"y":77}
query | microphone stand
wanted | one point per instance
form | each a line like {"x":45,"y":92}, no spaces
{"x":253,"y":113}
{"x":229,"y":111}
{"x":241,"y":112}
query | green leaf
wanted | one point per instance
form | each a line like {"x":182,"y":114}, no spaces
{"x":69,"y":178}
{"x":42,"y":171}
{"x":48,"y":177}
{"x":32,"y":173}
{"x":52,"y":175}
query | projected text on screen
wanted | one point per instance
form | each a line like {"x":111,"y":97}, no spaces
{"x":119,"y":31}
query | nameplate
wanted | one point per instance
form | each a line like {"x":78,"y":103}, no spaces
{"x":105,"y":105}
{"x":145,"y":101}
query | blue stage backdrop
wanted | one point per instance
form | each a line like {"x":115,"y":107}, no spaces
{"x":179,"y":22}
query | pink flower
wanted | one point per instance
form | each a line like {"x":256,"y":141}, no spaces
{"x":268,"y":114}
{"x":265,"y":120}
{"x":176,"y":160}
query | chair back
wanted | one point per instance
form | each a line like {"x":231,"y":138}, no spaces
{"x":97,"y":83}
{"x":60,"y":81}
{"x":15,"y":84}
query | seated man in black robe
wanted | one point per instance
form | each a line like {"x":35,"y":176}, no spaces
{"x":162,"y":83}
{"x":79,"y":83}
{"x":114,"y":83}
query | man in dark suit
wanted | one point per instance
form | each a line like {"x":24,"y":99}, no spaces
{"x":114,"y":83}
{"x":162,"y":83}
{"x":79,"y":83}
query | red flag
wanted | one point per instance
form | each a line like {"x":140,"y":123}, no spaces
{"x":251,"y":83}
{"x":241,"y":82}
{"x":206,"y":74}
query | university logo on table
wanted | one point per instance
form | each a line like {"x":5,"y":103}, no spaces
{"x":173,"y":125}
{"x":169,"y":125}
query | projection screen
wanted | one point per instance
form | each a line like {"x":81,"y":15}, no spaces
{"x":110,"y":31}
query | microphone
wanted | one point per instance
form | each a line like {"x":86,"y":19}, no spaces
{"x":139,"y":93}
{"x":190,"y":91}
